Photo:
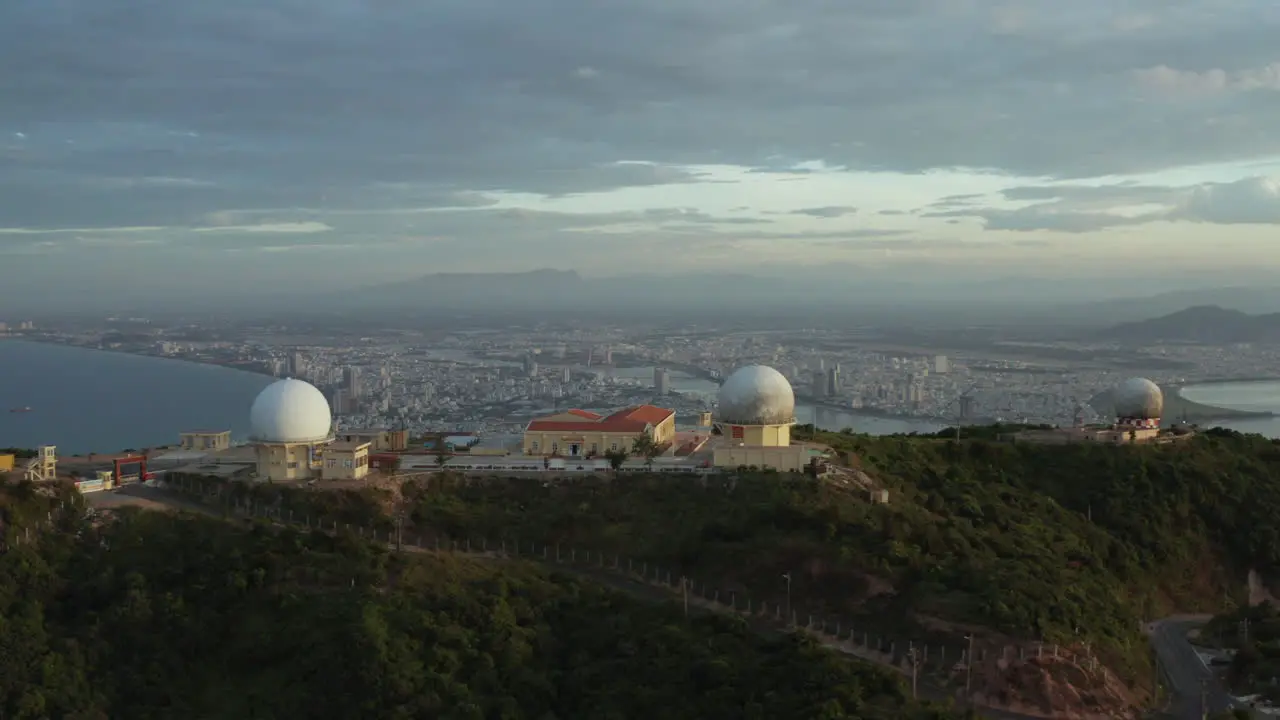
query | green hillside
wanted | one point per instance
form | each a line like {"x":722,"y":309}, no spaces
{"x":1076,"y":544}
{"x":154,"y":615}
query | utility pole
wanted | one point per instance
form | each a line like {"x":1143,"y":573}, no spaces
{"x":787,"y":577}
{"x":914,"y":658}
{"x":968,"y":669}
{"x":399,"y":528}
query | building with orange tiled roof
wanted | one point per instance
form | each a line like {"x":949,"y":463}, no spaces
{"x":581,"y":433}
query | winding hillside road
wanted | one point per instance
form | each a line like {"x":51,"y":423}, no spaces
{"x":1196,"y":689}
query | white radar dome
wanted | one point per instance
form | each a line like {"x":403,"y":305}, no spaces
{"x":290,"y":411}
{"x":1138,"y":398}
{"x":756,"y":395}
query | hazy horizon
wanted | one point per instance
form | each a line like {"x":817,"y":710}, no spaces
{"x":238,"y":150}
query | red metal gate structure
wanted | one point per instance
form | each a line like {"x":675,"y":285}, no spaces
{"x":126,"y":461}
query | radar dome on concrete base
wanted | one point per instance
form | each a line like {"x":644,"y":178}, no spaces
{"x":290,"y":411}
{"x":756,"y":395}
{"x":1138,"y":399}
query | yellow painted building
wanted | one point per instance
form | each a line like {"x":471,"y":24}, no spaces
{"x":206,"y":440}
{"x":280,"y":462}
{"x":346,"y":461}
{"x":6,"y":463}
{"x":761,"y":446}
{"x":758,"y":435}
{"x":579,"y":433}
{"x":790,"y":458}
{"x":379,"y":440}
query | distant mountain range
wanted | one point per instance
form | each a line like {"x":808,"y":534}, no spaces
{"x":661,"y":297}
{"x":925,"y":299}
{"x":1206,"y":324}
{"x":823,"y":293}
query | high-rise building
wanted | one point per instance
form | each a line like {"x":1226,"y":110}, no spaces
{"x":833,"y":380}
{"x":819,"y":387}
{"x":661,"y":381}
{"x":941,"y":365}
{"x":351,"y":379}
{"x":566,"y":375}
{"x":297,"y":364}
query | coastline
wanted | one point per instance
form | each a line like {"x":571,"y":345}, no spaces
{"x":867,"y":412}
{"x":135,"y":353}
{"x":1226,"y":381}
{"x":1179,"y":408}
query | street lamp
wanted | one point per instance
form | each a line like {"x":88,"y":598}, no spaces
{"x":968,"y":668}
{"x":787,"y":577}
{"x":684,"y":590}
{"x":914,"y":657}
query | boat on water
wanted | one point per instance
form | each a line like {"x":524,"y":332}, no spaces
{"x":20,"y":409}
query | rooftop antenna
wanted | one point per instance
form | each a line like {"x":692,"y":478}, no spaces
{"x":965,"y":409}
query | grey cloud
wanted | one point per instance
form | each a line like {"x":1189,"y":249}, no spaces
{"x":830,"y":211}
{"x":904,"y":244}
{"x":1112,"y":194}
{"x":958,"y":200}
{"x":1251,"y":200}
{"x":1081,"y":209}
{"x":285,"y":104}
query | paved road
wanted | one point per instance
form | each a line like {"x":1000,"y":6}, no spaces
{"x":1193,"y":684}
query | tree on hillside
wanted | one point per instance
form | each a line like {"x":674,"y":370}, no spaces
{"x":616,"y":458}
{"x":442,"y":451}
{"x":645,"y":447}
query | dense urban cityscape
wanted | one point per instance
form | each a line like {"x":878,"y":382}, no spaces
{"x":491,"y":382}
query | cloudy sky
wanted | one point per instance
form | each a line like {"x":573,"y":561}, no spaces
{"x":350,"y":140}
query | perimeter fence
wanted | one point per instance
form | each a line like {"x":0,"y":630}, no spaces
{"x":938,"y":662}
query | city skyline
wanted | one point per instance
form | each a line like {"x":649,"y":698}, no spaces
{"x":244,"y":143}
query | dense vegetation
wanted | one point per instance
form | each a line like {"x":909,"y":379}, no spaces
{"x":1035,"y":541}
{"x":152,"y":615}
{"x":1062,"y":543}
